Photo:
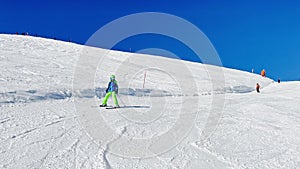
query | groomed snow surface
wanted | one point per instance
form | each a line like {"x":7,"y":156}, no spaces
{"x":49,"y":121}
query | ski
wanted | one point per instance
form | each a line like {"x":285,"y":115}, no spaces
{"x":111,"y":108}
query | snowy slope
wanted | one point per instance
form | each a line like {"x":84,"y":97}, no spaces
{"x":42,"y":124}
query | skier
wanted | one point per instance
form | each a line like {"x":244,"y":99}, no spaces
{"x":263,"y":73}
{"x":257,"y":87}
{"x":112,"y":89}
{"x":278,"y":80}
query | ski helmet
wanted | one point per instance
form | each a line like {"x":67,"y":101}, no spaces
{"x":112,"y":77}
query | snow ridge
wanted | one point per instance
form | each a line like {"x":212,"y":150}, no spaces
{"x":27,"y":96}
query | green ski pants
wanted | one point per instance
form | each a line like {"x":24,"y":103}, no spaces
{"x":107,"y":96}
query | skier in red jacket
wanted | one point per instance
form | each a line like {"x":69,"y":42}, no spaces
{"x":257,"y":87}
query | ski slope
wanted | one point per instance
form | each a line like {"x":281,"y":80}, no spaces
{"x":48,"y":120}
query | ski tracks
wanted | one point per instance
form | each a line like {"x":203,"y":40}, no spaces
{"x":32,"y":137}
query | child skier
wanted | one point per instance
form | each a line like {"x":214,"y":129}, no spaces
{"x":112,"y":89}
{"x":257,"y":87}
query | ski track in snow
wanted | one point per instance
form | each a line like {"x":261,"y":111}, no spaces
{"x":39,"y":125}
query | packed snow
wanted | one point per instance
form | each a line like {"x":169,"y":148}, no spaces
{"x":49,"y":118}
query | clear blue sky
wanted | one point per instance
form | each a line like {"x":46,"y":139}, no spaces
{"x":249,"y":33}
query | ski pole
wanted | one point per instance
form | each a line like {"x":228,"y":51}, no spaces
{"x":121,"y":99}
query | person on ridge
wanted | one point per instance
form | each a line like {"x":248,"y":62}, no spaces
{"x":263,"y":73}
{"x":257,"y":87}
{"x":112,"y":89}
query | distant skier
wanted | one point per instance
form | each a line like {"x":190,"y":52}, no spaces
{"x":257,"y":87}
{"x":112,"y":89}
{"x":263,"y":73}
{"x":278,"y":80}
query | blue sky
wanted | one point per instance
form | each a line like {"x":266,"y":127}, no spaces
{"x":247,"y":34}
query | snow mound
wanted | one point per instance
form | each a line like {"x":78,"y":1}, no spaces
{"x":47,"y":66}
